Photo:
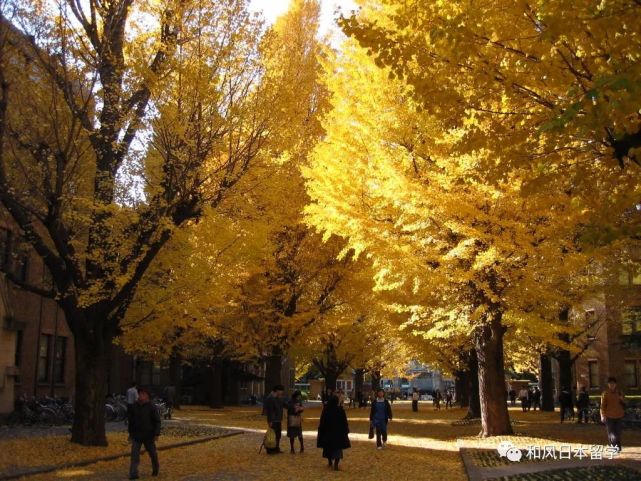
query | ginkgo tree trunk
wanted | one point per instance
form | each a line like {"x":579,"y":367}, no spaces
{"x":121,"y":122}
{"x":488,"y":343}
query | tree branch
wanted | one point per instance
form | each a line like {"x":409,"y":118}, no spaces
{"x":25,"y":286}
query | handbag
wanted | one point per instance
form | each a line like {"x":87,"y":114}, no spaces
{"x":270,"y":439}
{"x":294,"y":421}
{"x":371,"y":431}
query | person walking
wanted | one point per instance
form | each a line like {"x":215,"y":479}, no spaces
{"x":612,"y":411}
{"x":512,"y":396}
{"x":295,"y":421}
{"x":132,"y":397}
{"x":523,"y":394}
{"x":448,"y":399}
{"x":437,"y":399}
{"x":333,"y":432}
{"x":379,"y":415}
{"x":169,"y":393}
{"x":144,"y":429}
{"x":536,"y":399}
{"x":415,"y":398}
{"x":582,"y":405}
{"x":274,"y":411}
{"x":565,"y":403}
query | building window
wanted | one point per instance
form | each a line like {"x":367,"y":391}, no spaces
{"x":631,"y":321}
{"x":43,"y":357}
{"x":5,"y":247}
{"x":145,"y":372}
{"x":47,"y":279}
{"x":59,"y":360}
{"x":155,"y":374}
{"x":17,"y":360}
{"x":593,"y":373}
{"x":344,"y":385}
{"x":631,"y":373}
{"x":22,"y":268}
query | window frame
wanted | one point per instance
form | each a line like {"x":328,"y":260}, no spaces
{"x":59,"y":360}
{"x":632,"y":362}
{"x":17,"y":356}
{"x":45,"y":341}
{"x":593,"y":373}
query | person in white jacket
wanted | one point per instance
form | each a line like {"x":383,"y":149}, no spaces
{"x":524,"y":396}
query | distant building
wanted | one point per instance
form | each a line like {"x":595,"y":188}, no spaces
{"x":421,"y":377}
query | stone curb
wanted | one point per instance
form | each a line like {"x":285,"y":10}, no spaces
{"x":86,"y":462}
{"x":473,"y":471}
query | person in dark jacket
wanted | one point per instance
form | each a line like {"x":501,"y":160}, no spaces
{"x":295,"y":421}
{"x":144,"y":429}
{"x":565,"y":403}
{"x":273,"y":409}
{"x":530,"y":398}
{"x":437,"y":399}
{"x":536,"y":398}
{"x":333,"y":432}
{"x":379,"y":415}
{"x":582,"y":405}
{"x":448,"y":399}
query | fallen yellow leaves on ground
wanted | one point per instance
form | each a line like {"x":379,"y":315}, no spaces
{"x":422,"y":445}
{"x":52,"y":450}
{"x":43,"y":451}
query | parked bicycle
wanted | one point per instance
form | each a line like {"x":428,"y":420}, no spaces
{"x":50,"y":411}
{"x":163,"y":408}
{"x":46,"y":411}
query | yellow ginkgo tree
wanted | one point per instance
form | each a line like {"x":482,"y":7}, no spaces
{"x":465,"y":250}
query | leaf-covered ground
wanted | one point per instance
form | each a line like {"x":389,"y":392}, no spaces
{"x":34,"y":452}
{"x":422,"y":445}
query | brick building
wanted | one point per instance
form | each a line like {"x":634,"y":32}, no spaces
{"x":36,"y":346}
{"x":37,"y":350}
{"x":616,"y":341}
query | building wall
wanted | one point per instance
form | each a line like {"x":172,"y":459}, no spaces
{"x":7,"y":352}
{"x":37,"y":355}
{"x":611,"y":353}
{"x":46,"y":348}
{"x":32,"y":327}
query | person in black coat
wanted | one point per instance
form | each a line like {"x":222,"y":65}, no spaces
{"x":582,"y":405}
{"x":144,"y":429}
{"x":333,"y":432}
{"x":565,"y":403}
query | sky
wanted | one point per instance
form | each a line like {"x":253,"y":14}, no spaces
{"x":273,"y":8}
